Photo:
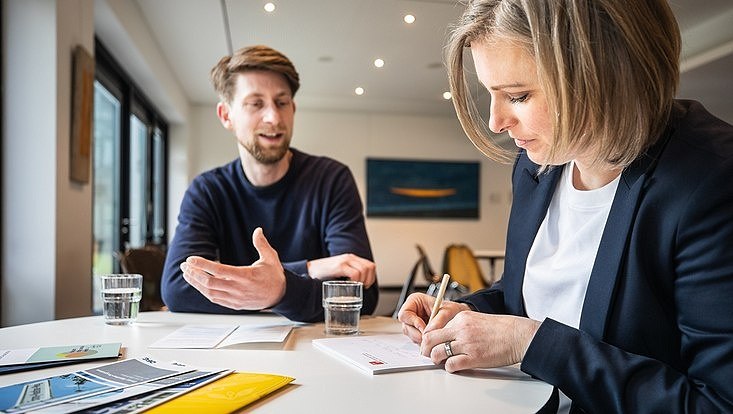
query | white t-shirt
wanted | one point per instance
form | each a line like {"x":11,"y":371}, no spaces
{"x":562,"y":255}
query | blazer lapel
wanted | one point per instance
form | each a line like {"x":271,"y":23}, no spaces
{"x":614,"y":241}
{"x":529,"y":207}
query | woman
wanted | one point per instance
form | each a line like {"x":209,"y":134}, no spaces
{"x":619,"y":260}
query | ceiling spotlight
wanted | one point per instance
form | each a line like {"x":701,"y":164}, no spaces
{"x":447,"y":95}
{"x":409,"y":19}
{"x":269,"y":7}
{"x":359,"y":91}
{"x":378,"y":63}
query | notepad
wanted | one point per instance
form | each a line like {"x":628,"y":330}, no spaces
{"x":376,"y":354}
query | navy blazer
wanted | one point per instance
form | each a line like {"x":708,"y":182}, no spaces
{"x":656,"y":328}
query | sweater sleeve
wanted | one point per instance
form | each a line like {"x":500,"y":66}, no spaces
{"x":302,"y":300}
{"x":345,"y":231}
{"x":196,"y":235}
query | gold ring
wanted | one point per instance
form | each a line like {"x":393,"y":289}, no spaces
{"x":448,"y":350}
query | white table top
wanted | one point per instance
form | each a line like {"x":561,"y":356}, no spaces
{"x":322,"y":382}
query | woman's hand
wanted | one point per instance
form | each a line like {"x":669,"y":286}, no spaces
{"x":479,"y":340}
{"x":415,"y":312}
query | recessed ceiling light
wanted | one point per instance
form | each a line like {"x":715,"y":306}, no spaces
{"x":378,"y":63}
{"x":447,"y":95}
{"x":359,"y":91}
{"x":269,"y":7}
{"x":409,"y":19}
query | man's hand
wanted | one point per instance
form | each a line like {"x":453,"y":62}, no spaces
{"x":259,"y":286}
{"x":350,"y":265}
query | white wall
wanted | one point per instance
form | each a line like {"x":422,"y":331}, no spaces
{"x":46,"y":240}
{"x":351,"y":138}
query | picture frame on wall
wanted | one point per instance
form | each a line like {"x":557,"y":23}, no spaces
{"x":82,"y":111}
{"x":423,"y":188}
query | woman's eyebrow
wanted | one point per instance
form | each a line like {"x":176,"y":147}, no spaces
{"x":507,"y":85}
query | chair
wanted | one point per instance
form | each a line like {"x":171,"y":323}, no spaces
{"x":421,"y":265}
{"x":147,"y":261}
{"x":460,"y":263}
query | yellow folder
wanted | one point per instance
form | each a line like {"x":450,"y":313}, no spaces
{"x":225,"y":395}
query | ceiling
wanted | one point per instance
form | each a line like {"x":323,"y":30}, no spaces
{"x":333,"y":44}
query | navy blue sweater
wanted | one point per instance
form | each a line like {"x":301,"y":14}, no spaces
{"x":314,"y":211}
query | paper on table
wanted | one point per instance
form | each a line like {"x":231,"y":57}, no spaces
{"x":257,"y":333}
{"x":195,"y":336}
{"x":377,"y":354}
{"x":211,"y":336}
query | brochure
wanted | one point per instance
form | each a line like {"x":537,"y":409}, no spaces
{"x":225,"y":395}
{"x":144,"y":402}
{"x":58,"y":354}
{"x":125,"y":396}
{"x":31,"y":395}
{"x":377,"y":354}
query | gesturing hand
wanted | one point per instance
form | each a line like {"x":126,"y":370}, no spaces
{"x":350,"y":265}
{"x":258,"y":286}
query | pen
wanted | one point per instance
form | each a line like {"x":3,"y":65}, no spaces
{"x":439,"y":298}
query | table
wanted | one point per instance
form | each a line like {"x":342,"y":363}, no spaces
{"x":492,"y":256}
{"x":322,"y":382}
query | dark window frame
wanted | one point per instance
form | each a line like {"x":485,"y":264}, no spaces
{"x":113,"y":77}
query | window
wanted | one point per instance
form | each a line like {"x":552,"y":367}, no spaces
{"x":130,"y":179}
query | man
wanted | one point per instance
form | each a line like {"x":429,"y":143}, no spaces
{"x":308,"y":207}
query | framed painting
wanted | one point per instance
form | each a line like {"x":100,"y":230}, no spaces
{"x":82,"y":110}
{"x":422,"y":189}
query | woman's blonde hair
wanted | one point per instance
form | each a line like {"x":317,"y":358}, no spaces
{"x":609,"y":69}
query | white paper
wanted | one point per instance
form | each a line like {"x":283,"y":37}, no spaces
{"x":257,"y":333}
{"x":377,"y":354}
{"x":195,"y":337}
{"x":16,"y":356}
{"x":217,"y":336}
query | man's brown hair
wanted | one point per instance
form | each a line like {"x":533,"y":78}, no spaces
{"x":251,"y":58}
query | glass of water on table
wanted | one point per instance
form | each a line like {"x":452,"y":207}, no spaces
{"x":121,"y":295}
{"x":342,"y":302}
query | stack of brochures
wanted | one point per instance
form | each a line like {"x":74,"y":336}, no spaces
{"x":25,"y":359}
{"x":135,"y":385}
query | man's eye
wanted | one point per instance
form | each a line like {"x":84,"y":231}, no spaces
{"x":254,"y":104}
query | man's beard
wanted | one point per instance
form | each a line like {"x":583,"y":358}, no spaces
{"x":269,"y":155}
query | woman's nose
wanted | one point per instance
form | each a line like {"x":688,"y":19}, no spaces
{"x":500,"y":117}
